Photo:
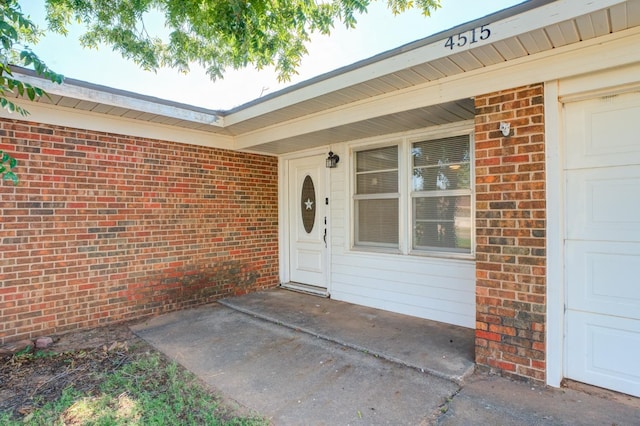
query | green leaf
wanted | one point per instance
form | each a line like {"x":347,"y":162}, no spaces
{"x":16,"y":31}
{"x":11,"y":176}
{"x":26,"y":61}
{"x":31,"y":93}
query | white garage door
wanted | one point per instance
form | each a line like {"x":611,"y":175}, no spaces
{"x":602,"y":242}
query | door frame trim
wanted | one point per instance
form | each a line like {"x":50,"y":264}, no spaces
{"x":284,"y":213}
{"x":556,"y":297}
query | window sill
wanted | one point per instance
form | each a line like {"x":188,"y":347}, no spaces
{"x":414,"y":254}
{"x":443,"y":255}
{"x":372,"y":249}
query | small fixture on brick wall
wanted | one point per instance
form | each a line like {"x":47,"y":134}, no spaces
{"x":505,"y":128}
{"x":332,"y":160}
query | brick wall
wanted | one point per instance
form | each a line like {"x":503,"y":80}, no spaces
{"x":511,"y":226}
{"x":104,"y":228}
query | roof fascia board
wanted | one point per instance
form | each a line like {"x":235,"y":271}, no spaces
{"x":128,"y":127}
{"x":108,"y":96}
{"x":618,"y":49}
{"x":507,"y":27}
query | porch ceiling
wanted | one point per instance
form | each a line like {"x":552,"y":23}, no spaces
{"x":418,"y":118}
{"x":526,"y":29}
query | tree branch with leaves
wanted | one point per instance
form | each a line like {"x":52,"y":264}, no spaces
{"x":217,"y":34}
{"x":17,"y":31}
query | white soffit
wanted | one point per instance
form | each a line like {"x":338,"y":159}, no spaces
{"x":419,"y":118}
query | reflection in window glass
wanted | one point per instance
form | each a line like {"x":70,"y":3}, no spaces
{"x":441,"y":194}
{"x":442,"y":223}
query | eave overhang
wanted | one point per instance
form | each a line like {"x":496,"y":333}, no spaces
{"x":411,"y":87}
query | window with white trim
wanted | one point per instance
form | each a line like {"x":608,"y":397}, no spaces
{"x":441,"y":195}
{"x":376,"y":197}
{"x":420,"y":205}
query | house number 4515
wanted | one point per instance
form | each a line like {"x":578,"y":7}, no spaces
{"x":468,"y":37}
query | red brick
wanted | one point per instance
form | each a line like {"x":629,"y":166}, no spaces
{"x":508,"y":331}
{"x":481,"y":334}
{"x":146,"y":226}
{"x":502,"y":365}
{"x":510,"y":232}
{"x":516,"y":159}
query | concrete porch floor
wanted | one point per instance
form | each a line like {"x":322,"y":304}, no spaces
{"x":298,"y":359}
{"x":443,"y":350}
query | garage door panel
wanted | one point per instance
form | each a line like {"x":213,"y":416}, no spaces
{"x":602,"y":241}
{"x":604,"y":351}
{"x":603,"y":131}
{"x":605,"y":278}
{"x":604,"y":204}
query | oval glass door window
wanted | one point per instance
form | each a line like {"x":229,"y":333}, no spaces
{"x":308,"y":204}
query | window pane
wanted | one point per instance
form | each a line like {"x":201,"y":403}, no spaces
{"x":441,"y":164}
{"x":440,"y":179}
{"x":377,"y":218}
{"x":377,"y":183}
{"x":443,"y":151}
{"x":443,"y":223}
{"x":377,"y":159}
{"x":377,"y":222}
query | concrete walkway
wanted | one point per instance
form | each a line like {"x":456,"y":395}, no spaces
{"x":298,"y":359}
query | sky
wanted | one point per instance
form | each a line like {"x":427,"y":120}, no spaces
{"x":377,"y":31}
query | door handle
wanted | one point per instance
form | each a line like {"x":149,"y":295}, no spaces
{"x":324,"y":237}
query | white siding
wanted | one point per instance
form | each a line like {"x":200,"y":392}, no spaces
{"x":434,"y":288}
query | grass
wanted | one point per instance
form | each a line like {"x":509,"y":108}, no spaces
{"x":145,"y":391}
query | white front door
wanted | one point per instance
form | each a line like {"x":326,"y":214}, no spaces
{"x":307,"y":221}
{"x":602,"y":242}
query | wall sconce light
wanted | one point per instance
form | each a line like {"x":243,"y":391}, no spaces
{"x":332,"y":160}
{"x":505,"y":128}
